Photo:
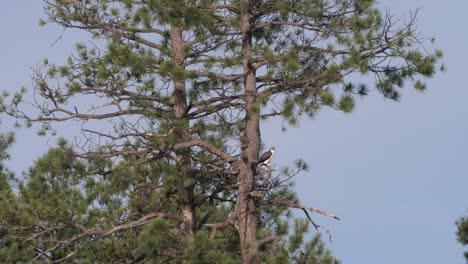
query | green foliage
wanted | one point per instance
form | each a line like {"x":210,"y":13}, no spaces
{"x":327,"y":98}
{"x":157,"y":242}
{"x":296,"y":250}
{"x":462,"y":232}
{"x":346,"y":103}
{"x":203,"y":250}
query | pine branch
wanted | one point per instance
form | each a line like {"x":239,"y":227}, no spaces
{"x":297,"y":206}
{"x":220,"y":76}
{"x":193,"y":141}
{"x":85,"y":232}
{"x":215,"y":226}
{"x":268,"y":239}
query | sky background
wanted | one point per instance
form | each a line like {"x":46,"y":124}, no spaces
{"x":396,"y":173}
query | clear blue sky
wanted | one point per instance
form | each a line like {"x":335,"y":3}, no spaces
{"x":394,"y":172}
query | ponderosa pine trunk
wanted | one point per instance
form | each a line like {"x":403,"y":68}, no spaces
{"x":186,"y":209}
{"x":246,"y":204}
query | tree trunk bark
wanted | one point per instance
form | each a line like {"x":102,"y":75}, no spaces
{"x":184,"y":163}
{"x":246,"y":204}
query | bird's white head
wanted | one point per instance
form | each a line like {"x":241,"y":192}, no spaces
{"x":272,"y":150}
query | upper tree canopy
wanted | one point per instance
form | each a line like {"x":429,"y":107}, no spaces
{"x":304,"y":54}
{"x":185,"y":83}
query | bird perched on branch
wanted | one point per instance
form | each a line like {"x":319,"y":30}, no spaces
{"x":266,"y":157}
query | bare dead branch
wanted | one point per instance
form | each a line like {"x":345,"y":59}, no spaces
{"x":297,"y":206}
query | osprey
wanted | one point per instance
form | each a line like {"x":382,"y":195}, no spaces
{"x":266,"y":157}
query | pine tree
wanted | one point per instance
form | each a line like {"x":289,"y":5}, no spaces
{"x":99,"y":212}
{"x":462,"y":233}
{"x":186,"y":84}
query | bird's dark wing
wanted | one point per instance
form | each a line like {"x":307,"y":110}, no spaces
{"x":264,"y":157}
